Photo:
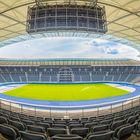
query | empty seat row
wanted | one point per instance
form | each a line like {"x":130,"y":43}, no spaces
{"x":11,"y":133}
{"x":112,"y":125}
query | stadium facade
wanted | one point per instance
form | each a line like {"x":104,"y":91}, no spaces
{"x":69,"y":70}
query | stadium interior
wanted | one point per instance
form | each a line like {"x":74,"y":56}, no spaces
{"x":110,"y":118}
{"x":70,"y":71}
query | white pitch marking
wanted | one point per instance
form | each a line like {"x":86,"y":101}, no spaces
{"x":130,"y":89}
{"x":86,"y":88}
{"x":6,"y":88}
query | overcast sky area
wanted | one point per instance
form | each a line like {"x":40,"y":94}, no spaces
{"x":68,"y":48}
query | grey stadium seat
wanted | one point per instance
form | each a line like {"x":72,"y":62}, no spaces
{"x":45,"y":125}
{"x":102,"y":136}
{"x":59,"y":126}
{"x":80,"y":131}
{"x":71,"y":126}
{"x":126,"y":131}
{"x":100,"y":128}
{"x":3,"y":120}
{"x":32,"y":136}
{"x":54,"y":131}
{"x":20,"y":126}
{"x":66,"y":137}
{"x":8,"y":132}
{"x":117,"y":124}
{"x":36,"y":128}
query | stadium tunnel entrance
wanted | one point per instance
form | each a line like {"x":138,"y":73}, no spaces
{"x":65,"y":74}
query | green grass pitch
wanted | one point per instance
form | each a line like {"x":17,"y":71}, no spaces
{"x":66,"y":92}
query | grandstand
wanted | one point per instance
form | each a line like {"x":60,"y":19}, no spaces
{"x":71,"y":70}
{"x":115,"y":117}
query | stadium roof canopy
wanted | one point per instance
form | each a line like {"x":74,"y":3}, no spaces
{"x":123,"y":17}
{"x":67,"y":62}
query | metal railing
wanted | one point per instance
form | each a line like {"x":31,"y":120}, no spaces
{"x":69,"y":113}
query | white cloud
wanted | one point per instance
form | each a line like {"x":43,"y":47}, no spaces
{"x":68,"y":48}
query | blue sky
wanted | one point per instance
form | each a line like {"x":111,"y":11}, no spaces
{"x":68,"y":48}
